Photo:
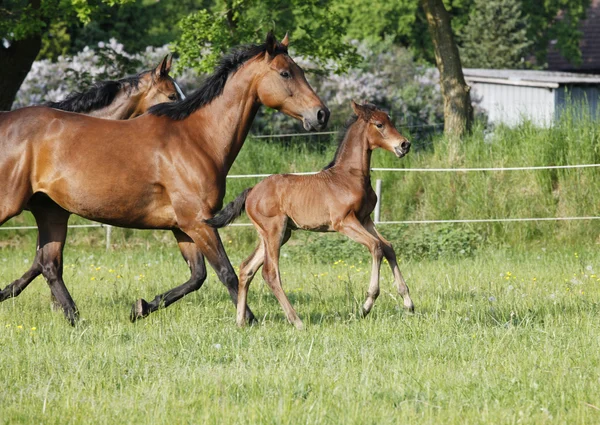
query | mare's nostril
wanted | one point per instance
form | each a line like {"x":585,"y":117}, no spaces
{"x":322,"y":116}
{"x":405,"y":145}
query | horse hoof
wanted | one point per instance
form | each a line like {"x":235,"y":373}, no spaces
{"x":72,"y":317}
{"x":139,"y":310}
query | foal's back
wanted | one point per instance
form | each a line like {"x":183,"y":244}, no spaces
{"x":312,"y":202}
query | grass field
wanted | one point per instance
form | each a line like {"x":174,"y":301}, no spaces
{"x":505,"y":336}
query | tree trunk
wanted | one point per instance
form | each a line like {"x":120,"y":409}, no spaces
{"x":16,"y":62}
{"x":458,"y":110}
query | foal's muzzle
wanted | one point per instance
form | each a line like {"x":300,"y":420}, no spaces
{"x":316,"y":119}
{"x":402,"y":149}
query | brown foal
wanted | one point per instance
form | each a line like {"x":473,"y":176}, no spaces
{"x":125,"y":98}
{"x":163,"y":170}
{"x":339,"y":198}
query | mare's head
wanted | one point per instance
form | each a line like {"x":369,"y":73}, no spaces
{"x":156,"y":86}
{"x":380,"y":132}
{"x":281,"y":85}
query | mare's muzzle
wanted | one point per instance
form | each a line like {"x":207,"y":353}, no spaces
{"x":316,"y":119}
{"x":402,"y":149}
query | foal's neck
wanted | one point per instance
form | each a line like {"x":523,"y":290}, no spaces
{"x":354,"y":153}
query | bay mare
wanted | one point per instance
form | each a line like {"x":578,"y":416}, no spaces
{"x":125,"y":98}
{"x":122,"y":99}
{"x":163,"y":170}
{"x":337,"y":199}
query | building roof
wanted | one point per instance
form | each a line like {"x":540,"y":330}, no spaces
{"x":519,"y":77}
{"x":589,"y":45}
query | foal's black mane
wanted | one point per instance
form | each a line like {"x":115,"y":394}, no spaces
{"x":99,"y":96}
{"x":342,"y":136}
{"x":214,"y":84}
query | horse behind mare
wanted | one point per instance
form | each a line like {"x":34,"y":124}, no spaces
{"x":163,"y":170}
{"x":339,"y":198}
{"x":125,"y":98}
{"x":118,"y":100}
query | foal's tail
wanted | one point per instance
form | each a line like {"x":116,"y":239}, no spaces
{"x":231,"y":211}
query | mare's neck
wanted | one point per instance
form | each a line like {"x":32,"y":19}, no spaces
{"x":221,"y":126}
{"x":124,"y":106}
{"x":354,"y":153}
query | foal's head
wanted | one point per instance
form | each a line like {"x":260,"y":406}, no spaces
{"x":158,"y":87}
{"x":381,"y":133}
{"x":282,"y":86}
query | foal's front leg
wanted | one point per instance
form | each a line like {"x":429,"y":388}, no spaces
{"x":353,"y":228}
{"x":390,"y":256}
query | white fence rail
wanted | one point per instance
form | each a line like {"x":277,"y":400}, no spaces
{"x":377,"y":212}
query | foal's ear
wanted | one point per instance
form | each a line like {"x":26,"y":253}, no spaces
{"x":358,"y":109}
{"x":286,"y":40}
{"x":271,"y":43}
{"x":162,"y":70}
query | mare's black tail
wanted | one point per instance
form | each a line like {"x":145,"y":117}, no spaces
{"x":231,"y":211}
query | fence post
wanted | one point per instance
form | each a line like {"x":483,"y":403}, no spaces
{"x":378,"y":204}
{"x":108,"y":234}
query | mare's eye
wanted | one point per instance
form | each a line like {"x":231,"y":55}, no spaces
{"x":379,"y":125}
{"x":285,"y":74}
{"x":173,"y":96}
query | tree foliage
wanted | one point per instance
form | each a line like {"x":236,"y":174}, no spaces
{"x":489,"y":22}
{"x":316,"y":31}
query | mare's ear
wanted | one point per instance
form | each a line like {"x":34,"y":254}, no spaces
{"x":271,"y":43}
{"x":286,"y":40}
{"x":162,"y":70}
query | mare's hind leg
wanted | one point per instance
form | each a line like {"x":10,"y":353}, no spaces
{"x":248,"y":270}
{"x":390,"y":256}
{"x":16,"y":287}
{"x":52,"y":225}
{"x":195,"y":262}
{"x":353,"y":228}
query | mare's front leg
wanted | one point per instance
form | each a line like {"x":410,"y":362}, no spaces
{"x":353,"y":228}
{"x":390,"y":256}
{"x":195,"y":261}
{"x":195,"y":244}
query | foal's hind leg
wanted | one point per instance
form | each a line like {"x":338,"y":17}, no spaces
{"x":390,"y":256}
{"x":273,"y":233}
{"x":248,"y":270}
{"x":353,"y":228}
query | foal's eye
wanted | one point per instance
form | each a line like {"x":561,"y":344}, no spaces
{"x":173,"y":96}
{"x":379,"y":125}
{"x":285,"y":74}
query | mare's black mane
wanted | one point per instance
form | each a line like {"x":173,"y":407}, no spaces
{"x":214,"y":84}
{"x":99,"y":96}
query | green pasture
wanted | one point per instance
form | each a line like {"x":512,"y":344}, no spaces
{"x":504,"y":336}
{"x":506,"y":329}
